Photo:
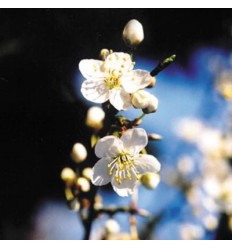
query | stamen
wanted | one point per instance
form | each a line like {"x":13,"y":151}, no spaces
{"x":124,"y":167}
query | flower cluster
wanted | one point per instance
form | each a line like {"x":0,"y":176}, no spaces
{"x":205,"y":176}
{"x":119,"y":144}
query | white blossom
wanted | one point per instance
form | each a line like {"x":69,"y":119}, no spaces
{"x":121,"y":162}
{"x":113,"y":79}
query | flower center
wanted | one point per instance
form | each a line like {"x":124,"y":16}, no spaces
{"x":123,"y":166}
{"x":113,"y":81}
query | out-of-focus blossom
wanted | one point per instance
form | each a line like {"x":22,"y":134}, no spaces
{"x":191,"y":231}
{"x":68,"y":175}
{"x":95,"y":116}
{"x":121,"y":162}
{"x":133,"y":33}
{"x":150,"y":180}
{"x":87,"y":172}
{"x":210,"y":222}
{"x":79,"y":153}
{"x":225,"y":200}
{"x":210,"y":142}
{"x":83,"y":184}
{"x":189,"y":129}
{"x":112,"y":227}
{"x":185,"y":165}
{"x":224,"y":84}
{"x":113,"y":79}
{"x":230,"y":222}
{"x":211,"y":185}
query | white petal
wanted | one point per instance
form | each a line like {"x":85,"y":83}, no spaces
{"x":135,"y":80}
{"x":118,"y":62}
{"x":120,"y":99}
{"x":146,"y":163}
{"x":91,"y":68}
{"x":109,"y":146}
{"x":134,"y":140}
{"x":126,"y":188}
{"x":95,"y":90}
{"x":100,"y":174}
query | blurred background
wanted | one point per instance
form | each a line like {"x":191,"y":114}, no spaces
{"x":42,"y":116}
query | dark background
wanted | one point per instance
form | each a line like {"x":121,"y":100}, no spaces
{"x":40,"y":116}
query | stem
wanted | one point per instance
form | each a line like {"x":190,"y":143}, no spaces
{"x":88,"y":223}
{"x":133,"y":222}
{"x":141,"y":116}
{"x":110,"y":113}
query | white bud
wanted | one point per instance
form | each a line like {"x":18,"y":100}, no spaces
{"x":150,"y":180}
{"x":87,"y":172}
{"x":112,"y":227}
{"x":133,"y":33}
{"x":104,"y":53}
{"x":152,"y":105}
{"x":83,"y":184}
{"x":139,"y":99}
{"x":95,"y":116}
{"x":79,"y":153}
{"x":145,"y":101}
{"x":68,"y":175}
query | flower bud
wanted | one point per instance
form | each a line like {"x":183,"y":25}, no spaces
{"x":79,"y":153}
{"x":68,"y":175}
{"x":87,"y":173}
{"x":140,"y":98}
{"x":133,"y":33}
{"x":154,"y":136}
{"x":95,"y":116}
{"x":152,"y":105}
{"x":83,"y":184}
{"x":112,"y":227}
{"x":150,"y":180}
{"x":104,"y":53}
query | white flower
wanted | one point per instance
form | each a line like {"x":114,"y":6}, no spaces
{"x":121,"y":162}
{"x":113,"y":79}
{"x":133,"y":33}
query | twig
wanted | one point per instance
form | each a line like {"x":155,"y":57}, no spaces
{"x":162,"y":65}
